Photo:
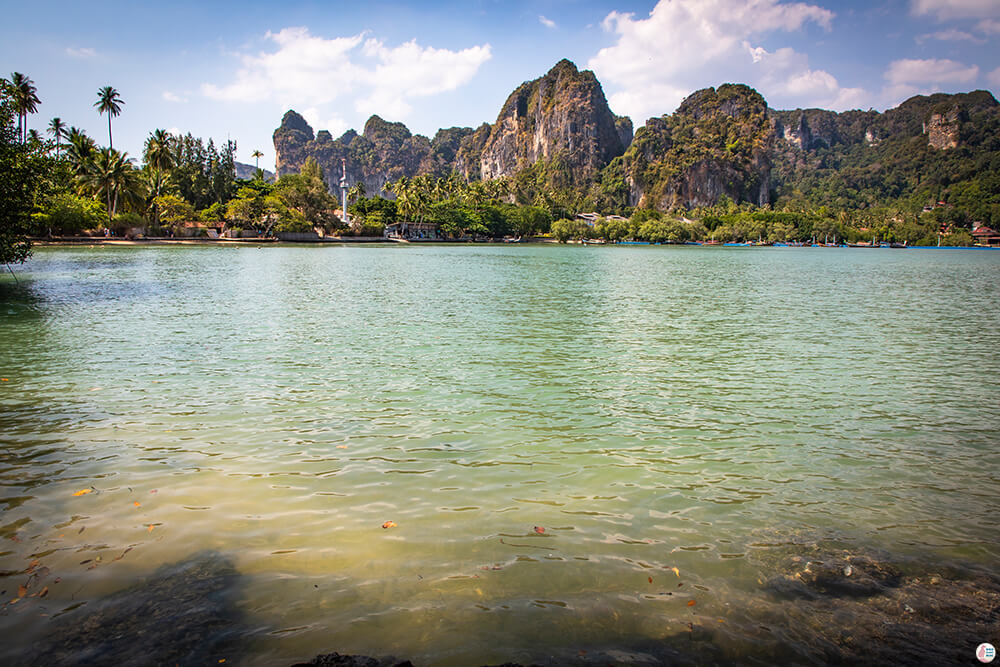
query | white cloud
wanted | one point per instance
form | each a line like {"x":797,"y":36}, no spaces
{"x":686,"y":44}
{"x":786,"y":74}
{"x":931,"y":71}
{"x":956,"y":9}
{"x":910,"y":77}
{"x":306,"y":70}
{"x":989,"y":26}
{"x":335,"y":125}
{"x":994,"y":78}
{"x":548,"y":23}
{"x":951,"y":35}
{"x":82,"y":52}
{"x":172,"y":97}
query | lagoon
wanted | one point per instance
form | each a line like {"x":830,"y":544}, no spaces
{"x":552,"y":430}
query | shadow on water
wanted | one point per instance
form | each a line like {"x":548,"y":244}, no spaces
{"x":184,"y":613}
{"x":19,"y":299}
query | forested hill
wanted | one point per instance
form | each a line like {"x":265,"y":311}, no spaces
{"x":557,"y":144}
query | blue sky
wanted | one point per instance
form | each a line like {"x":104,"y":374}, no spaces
{"x":231,"y":69}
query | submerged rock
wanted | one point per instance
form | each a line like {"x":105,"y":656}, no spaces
{"x":857,"y":607}
{"x":338,"y":660}
{"x":181,"y":614}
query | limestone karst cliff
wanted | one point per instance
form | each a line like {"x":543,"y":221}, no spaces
{"x":562,"y":116}
{"x":557,"y":133}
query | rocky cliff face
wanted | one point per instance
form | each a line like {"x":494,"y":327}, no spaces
{"x":561,"y":120}
{"x":382,"y":154}
{"x":716,"y":144}
{"x":557,"y":134}
{"x":562,"y":116}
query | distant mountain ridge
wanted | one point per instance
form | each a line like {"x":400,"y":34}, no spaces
{"x":556,"y":134}
{"x":244,"y":170}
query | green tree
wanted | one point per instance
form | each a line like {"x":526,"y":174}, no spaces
{"x":19,"y":175}
{"x":22,"y":92}
{"x":306,"y":194}
{"x":565,"y":229}
{"x":173,"y":209}
{"x":111,"y":175}
{"x":80,"y":150}
{"x":109,"y":102}
{"x":57,"y":129}
{"x":68,"y":213}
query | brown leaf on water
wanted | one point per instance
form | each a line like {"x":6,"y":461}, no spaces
{"x":153,"y":491}
{"x":341,"y":446}
{"x":136,"y":503}
{"x":4,"y":380}
{"x":389,"y":524}
{"x":150,"y":528}
{"x":82,"y":492}
{"x":539,"y":530}
{"x":42,"y":593}
{"x":692,"y":603}
{"x":650,"y":579}
{"x":119,"y":557}
{"x":676,"y":571}
{"x":22,"y":591}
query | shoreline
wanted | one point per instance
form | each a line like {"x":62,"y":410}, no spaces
{"x":70,"y":241}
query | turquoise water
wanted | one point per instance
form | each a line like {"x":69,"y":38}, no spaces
{"x":648,"y":407}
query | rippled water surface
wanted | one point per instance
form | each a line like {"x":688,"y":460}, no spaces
{"x":648,"y":408}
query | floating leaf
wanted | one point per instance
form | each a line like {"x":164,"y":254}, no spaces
{"x":136,"y":503}
{"x":676,"y":571}
{"x":539,"y":530}
{"x":82,"y":492}
{"x":692,"y":603}
{"x":4,"y":380}
{"x":389,"y":524}
{"x":21,"y":591}
{"x":150,"y":528}
{"x":153,"y":491}
{"x":341,"y":446}
{"x":42,"y":593}
{"x":650,"y":580}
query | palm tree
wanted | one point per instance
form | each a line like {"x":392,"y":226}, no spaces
{"x":111,"y":174}
{"x":256,"y":155}
{"x":80,"y":150}
{"x":159,"y":154}
{"x":159,"y":158}
{"x":23,"y":93}
{"x":357,"y":191}
{"x":109,"y":102}
{"x":57,"y":129}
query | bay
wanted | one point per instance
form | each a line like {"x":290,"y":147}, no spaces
{"x":649,"y":408}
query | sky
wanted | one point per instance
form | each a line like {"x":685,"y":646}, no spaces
{"x":229,"y":70}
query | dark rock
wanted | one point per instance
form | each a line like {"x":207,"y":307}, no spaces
{"x":338,"y":660}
